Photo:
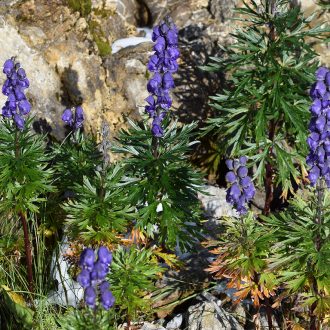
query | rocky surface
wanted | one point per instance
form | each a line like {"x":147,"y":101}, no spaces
{"x":66,"y":52}
{"x":215,"y":204}
{"x":210,"y":316}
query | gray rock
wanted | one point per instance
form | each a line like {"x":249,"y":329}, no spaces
{"x":127,"y":80}
{"x":215,"y":204}
{"x":209,"y":316}
{"x":261,"y":322}
{"x":34,"y":35}
{"x":222,"y":10}
{"x":175,"y":323}
{"x":69,"y":292}
{"x":151,"y":326}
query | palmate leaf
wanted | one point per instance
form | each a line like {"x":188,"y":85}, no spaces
{"x":241,"y":253}
{"x":77,"y":156}
{"x":164,"y":186}
{"x":300,"y":264}
{"x":100,"y":209}
{"x":24,"y":174}
{"x":133,"y":275}
{"x":87,"y":319}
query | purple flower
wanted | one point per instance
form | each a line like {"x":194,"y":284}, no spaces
{"x":90,"y":296}
{"x":99,"y":271}
{"x":327,"y":79}
{"x":242,"y":171}
{"x":163,"y":64}
{"x":160,"y":45}
{"x":313,"y":175}
{"x":155,"y":33}
{"x":19,"y":121}
{"x":107,"y":299}
{"x":79,"y":117}
{"x":67,"y":116}
{"x":157,"y":130}
{"x":229,"y":164}
{"x":164,"y":101}
{"x":318,"y":141}
{"x":153,"y":63}
{"x":154,"y":83}
{"x":74,"y":120}
{"x":6,"y":111}
{"x":164,"y":28}
{"x":230,"y":177}
{"x":92,"y":277}
{"x":8,"y":67}
{"x":321,"y":73}
{"x":84,"y":278}
{"x":235,"y":191}
{"x":241,"y":189}
{"x":316,"y":107}
{"x":242,"y":160}
{"x":105,"y":256}
{"x":87,"y":258}
{"x":24,"y":107}
{"x":104,"y":286}
{"x":168,"y":81}
{"x":17,"y":104}
{"x":321,"y":88}
{"x":172,"y":37}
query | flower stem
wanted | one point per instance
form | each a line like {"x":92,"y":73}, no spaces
{"x":314,"y":322}
{"x":27,"y":245}
{"x":155,"y":146}
{"x":28,"y":253}
{"x":269,"y":185}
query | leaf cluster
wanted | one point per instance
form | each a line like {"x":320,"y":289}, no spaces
{"x":161,"y":182}
{"x":287,"y":255}
{"x":133,"y":275}
{"x":100,"y":210}
{"x":87,"y":319}
{"x":77,"y":156}
{"x":301,"y":253}
{"x":241,"y":258}
{"x":25,"y":177}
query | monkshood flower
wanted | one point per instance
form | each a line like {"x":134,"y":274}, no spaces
{"x":92,"y":277}
{"x":14,"y":86}
{"x":162,"y":63}
{"x":318,"y":140}
{"x":74,"y":120}
{"x":241,"y":189}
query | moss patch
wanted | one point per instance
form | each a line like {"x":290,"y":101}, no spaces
{"x":83,"y":6}
{"x":99,"y":38}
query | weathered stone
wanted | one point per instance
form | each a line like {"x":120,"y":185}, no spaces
{"x":151,"y":326}
{"x":261,"y":322}
{"x":175,"y":323}
{"x":222,"y":10}
{"x":33,"y":35}
{"x":82,"y":77}
{"x":127,"y":80}
{"x":215,"y":204}
{"x":209,"y":316}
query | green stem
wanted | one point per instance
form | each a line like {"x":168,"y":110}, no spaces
{"x":28,"y":252}
{"x":94,"y":315}
{"x":269,"y":184}
{"x":27,"y":245}
{"x":314,"y":322}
